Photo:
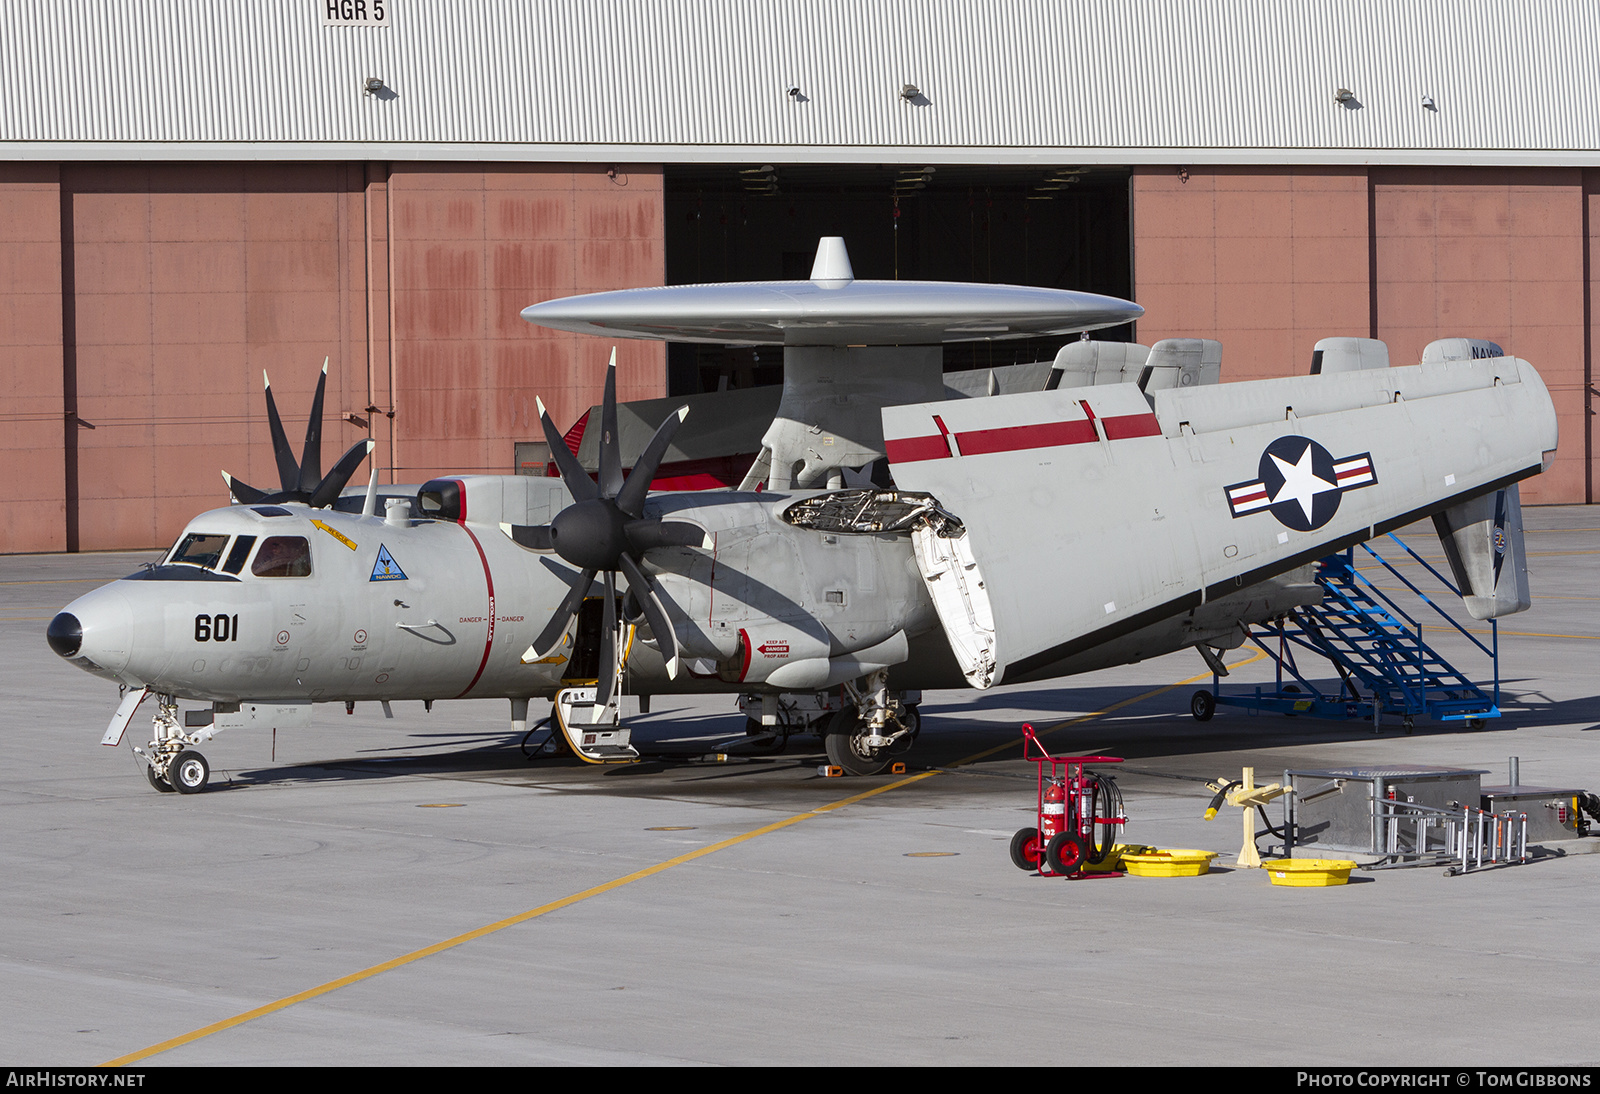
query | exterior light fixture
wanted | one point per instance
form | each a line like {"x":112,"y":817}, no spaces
{"x":793,"y":91}
{"x":372,"y":85}
{"x":1428,"y":103}
{"x":910,"y":92}
{"x":1342,"y":96}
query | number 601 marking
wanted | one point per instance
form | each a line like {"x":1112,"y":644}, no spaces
{"x":216,"y":628}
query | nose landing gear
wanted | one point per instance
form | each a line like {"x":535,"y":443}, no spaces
{"x":171,"y":765}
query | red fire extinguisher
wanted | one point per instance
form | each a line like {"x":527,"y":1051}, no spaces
{"x":1053,"y":816}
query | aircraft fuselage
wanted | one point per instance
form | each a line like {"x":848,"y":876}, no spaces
{"x":376,"y":609}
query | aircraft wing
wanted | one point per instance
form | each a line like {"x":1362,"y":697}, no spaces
{"x":1094,"y":512}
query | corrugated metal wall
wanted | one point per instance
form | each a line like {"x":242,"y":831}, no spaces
{"x":1015,"y":79}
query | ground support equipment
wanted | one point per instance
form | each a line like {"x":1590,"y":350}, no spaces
{"x":1461,"y":840}
{"x":1385,"y":670}
{"x":1079,"y":815}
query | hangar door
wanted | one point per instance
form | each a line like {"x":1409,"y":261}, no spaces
{"x":1061,"y":227}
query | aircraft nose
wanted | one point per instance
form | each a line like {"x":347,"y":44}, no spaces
{"x":65,"y":635}
{"x":95,"y":631}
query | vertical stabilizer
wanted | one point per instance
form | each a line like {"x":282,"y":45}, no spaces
{"x":1085,"y":363}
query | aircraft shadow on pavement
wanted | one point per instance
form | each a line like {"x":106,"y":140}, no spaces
{"x":677,"y":742}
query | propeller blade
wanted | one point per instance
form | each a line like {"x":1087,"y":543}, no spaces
{"x":288,"y":470}
{"x":630,"y":499}
{"x":242,"y":492}
{"x":644,"y":535}
{"x":311,"y":455}
{"x":535,"y":537}
{"x":553,"y":631}
{"x":610,"y":448}
{"x":577,"y":480}
{"x":606,"y":685}
{"x":328,"y":490}
{"x":644,"y":593}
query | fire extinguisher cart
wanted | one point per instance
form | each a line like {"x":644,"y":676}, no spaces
{"x":1080,"y":813}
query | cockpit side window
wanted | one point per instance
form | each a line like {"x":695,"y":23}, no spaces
{"x":236,"y":557}
{"x":283,"y":556}
{"x":199,"y":549}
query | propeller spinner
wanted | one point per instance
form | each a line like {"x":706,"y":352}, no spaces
{"x":604,"y":531}
{"x":302,"y":481}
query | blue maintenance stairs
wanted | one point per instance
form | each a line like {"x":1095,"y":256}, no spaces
{"x":1385,"y":669}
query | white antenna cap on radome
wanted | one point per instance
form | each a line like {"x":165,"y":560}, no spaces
{"x":832,"y":265}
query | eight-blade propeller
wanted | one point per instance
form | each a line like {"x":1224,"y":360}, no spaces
{"x":604,"y":531}
{"x":302,"y":481}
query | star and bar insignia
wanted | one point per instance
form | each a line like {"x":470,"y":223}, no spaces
{"x":1300,"y":483}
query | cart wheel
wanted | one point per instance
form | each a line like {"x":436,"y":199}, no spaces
{"x":1202,"y":704}
{"x":1066,"y":853}
{"x":1025,"y":849}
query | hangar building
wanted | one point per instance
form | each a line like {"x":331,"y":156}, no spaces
{"x":192,"y":193}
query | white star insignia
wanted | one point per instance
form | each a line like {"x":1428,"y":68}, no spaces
{"x":1300,"y":483}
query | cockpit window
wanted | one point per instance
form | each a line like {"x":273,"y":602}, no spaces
{"x":283,"y":556}
{"x":199,"y":549}
{"x":236,"y":557}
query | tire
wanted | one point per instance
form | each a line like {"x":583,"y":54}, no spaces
{"x":844,"y":748}
{"x":913,"y":721}
{"x":189,"y":772}
{"x":1066,"y":854}
{"x":1025,"y":854}
{"x":156,"y":780}
{"x":1202,"y":704}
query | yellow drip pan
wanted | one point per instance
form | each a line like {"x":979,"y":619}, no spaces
{"x":1114,"y":857}
{"x":1168,"y":863}
{"x":1308,"y":873}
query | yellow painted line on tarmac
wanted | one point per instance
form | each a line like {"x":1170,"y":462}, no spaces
{"x":500,"y":925}
{"x":617,"y":883}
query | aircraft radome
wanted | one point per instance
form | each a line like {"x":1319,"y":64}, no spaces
{"x":893,"y":535}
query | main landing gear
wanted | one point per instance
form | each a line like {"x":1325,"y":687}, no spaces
{"x":874,"y":728}
{"x":171,"y":765}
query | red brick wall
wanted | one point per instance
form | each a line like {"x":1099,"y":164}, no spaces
{"x":1270,"y":259}
{"x":1267,"y":260}
{"x":184,"y":281}
{"x":1491,"y":253}
{"x":32,"y":407}
{"x":473,"y":246}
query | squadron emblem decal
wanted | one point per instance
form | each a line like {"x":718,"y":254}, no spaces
{"x":386,"y":568}
{"x":1300,"y":483}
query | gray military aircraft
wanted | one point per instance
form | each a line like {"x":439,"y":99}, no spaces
{"x":893,"y":536}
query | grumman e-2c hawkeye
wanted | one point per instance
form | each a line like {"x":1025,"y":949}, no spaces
{"x":893,"y":536}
